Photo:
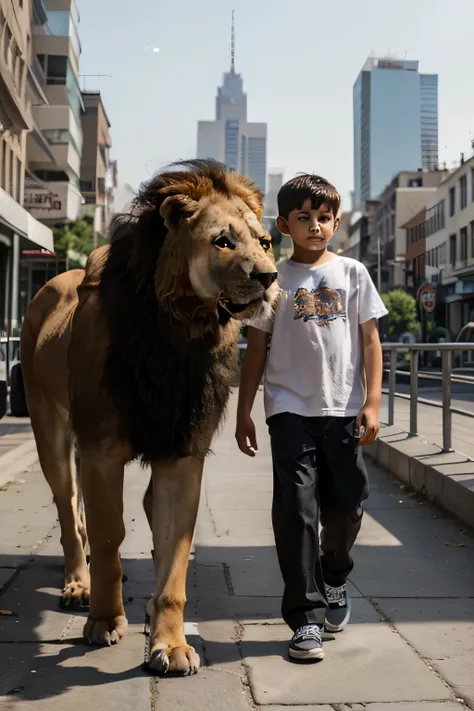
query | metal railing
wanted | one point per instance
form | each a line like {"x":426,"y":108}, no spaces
{"x":414,"y":349}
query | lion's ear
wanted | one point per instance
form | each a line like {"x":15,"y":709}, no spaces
{"x":176,"y":208}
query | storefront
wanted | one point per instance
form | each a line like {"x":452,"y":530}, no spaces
{"x":19,"y":232}
{"x":37,"y":266}
{"x":459,"y":300}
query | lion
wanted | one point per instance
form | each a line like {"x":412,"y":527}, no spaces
{"x":133,"y":358}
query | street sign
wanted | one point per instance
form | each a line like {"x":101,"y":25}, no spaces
{"x":427,"y":297}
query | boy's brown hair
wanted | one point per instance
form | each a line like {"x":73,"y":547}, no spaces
{"x":293,"y":194}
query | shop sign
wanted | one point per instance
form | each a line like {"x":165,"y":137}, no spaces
{"x":41,"y":200}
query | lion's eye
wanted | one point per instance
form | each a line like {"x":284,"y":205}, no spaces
{"x":223,"y":242}
{"x":266,"y":244}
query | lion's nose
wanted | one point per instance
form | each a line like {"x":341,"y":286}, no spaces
{"x":266,"y":279}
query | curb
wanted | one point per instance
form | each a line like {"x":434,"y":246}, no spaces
{"x":14,"y":462}
{"x":446,"y":479}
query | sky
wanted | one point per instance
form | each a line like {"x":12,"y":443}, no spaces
{"x":299,"y":60}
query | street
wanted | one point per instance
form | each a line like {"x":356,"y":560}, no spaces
{"x":410,"y":645}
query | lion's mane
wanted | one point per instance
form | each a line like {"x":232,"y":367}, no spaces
{"x":165,"y":385}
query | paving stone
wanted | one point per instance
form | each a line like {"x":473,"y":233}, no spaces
{"x":420,"y":706}
{"x":212,"y":690}
{"x":420,"y":551}
{"x":321,"y":707}
{"x":69,"y":677}
{"x":6,"y":575}
{"x":442,"y":631}
{"x":367,"y":663}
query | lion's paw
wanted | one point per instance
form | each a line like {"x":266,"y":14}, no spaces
{"x":179,"y":661}
{"x":76,"y":594}
{"x":105,"y":632}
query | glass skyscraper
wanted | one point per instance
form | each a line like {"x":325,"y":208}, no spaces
{"x":395,"y":124}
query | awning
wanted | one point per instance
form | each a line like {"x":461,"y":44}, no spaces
{"x":19,"y":220}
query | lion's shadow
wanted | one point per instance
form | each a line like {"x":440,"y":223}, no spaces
{"x":43,"y":654}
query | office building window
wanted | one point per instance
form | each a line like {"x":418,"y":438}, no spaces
{"x":54,"y":67}
{"x":463,"y":245}
{"x":232,"y":144}
{"x":452,"y":250}
{"x":12,"y":185}
{"x":472,"y":184}
{"x":472,"y":239}
{"x":52,"y":176}
{"x":452,"y":201}
{"x":18,"y":180}
{"x":442,"y":255}
{"x":463,"y":191}
{"x":3,"y":152}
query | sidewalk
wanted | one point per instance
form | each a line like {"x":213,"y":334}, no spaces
{"x":430,"y":423}
{"x":410,"y":645}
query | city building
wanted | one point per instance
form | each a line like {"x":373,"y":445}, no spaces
{"x":98,"y":172}
{"x":20,"y":233}
{"x":275,"y":182}
{"x":340,"y":241}
{"x":401,"y":201}
{"x":442,"y":240}
{"x":395,"y":124}
{"x":53,"y":193}
{"x":231,"y":138}
{"x":359,"y":231}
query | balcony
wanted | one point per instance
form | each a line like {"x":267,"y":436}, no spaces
{"x":13,"y":104}
{"x":37,"y":84}
{"x":53,"y":202}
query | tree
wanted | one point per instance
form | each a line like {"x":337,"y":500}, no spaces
{"x":402,"y":316}
{"x":74,"y":241}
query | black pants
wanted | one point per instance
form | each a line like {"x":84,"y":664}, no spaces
{"x":319,"y":475}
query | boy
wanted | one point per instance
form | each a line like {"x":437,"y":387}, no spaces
{"x":324,"y":349}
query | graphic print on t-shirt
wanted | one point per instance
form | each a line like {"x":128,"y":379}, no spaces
{"x":322,"y":305}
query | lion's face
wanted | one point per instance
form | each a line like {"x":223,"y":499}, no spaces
{"x":231,"y":260}
{"x":228,"y":255}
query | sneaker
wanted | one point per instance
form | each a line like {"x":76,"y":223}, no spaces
{"x":307,"y":643}
{"x":338,"y":613}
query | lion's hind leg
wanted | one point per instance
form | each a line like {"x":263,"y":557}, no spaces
{"x":55,"y":450}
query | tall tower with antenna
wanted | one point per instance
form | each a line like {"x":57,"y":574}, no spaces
{"x":230,"y":138}
{"x":232,"y":46}
{"x":231,"y":100}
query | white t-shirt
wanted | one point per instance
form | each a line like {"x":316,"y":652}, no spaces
{"x":315,"y":365}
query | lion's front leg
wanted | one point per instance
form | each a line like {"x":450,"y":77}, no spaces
{"x":176,"y":490}
{"x":102,"y":481}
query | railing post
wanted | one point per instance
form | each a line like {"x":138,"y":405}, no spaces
{"x":447,"y":414}
{"x":413,"y":392}
{"x":392,"y":382}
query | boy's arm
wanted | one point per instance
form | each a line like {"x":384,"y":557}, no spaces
{"x":253,"y":366}
{"x":369,"y":414}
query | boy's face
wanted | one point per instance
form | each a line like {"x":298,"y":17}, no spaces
{"x":310,"y":229}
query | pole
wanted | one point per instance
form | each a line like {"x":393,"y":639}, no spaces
{"x":447,"y":414}
{"x":15,"y":281}
{"x":413,"y":392}
{"x":379,"y":275}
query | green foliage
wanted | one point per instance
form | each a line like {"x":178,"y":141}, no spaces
{"x":402,"y":313}
{"x":76,"y":237}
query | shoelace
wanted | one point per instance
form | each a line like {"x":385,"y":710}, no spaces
{"x":336,"y":594}
{"x":308,"y":632}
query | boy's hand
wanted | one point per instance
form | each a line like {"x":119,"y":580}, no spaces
{"x":246,"y":436}
{"x":368,"y":417}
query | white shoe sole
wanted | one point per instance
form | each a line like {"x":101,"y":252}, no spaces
{"x":309,"y":654}
{"x":335,"y":628}
{"x":342,"y":625}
